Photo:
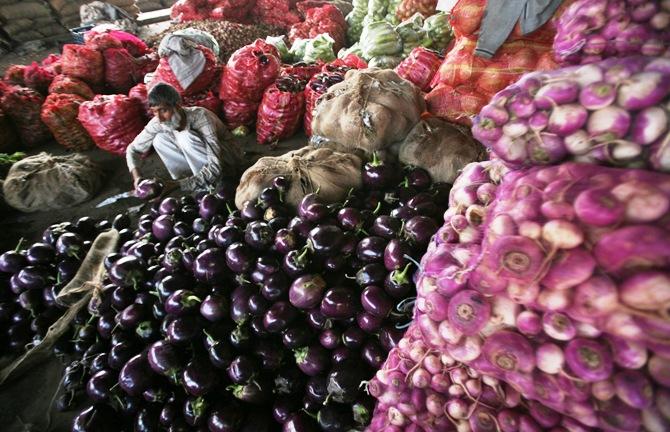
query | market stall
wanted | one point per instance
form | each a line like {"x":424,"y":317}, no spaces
{"x":446,"y":220}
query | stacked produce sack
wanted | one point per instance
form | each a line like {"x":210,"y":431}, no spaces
{"x":384,"y":45}
{"x":591,"y":31}
{"x":540,"y":296}
{"x":319,"y":20}
{"x":67,"y":11}
{"x":281,"y":13}
{"x":25,"y":21}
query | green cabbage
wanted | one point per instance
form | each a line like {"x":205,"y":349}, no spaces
{"x":319,"y":48}
{"x":385,"y":62}
{"x":380,"y":39}
{"x":297,"y":51}
{"x":279,"y":42}
{"x":439,"y":30}
{"x":354,"y":49}
{"x":412,"y":34}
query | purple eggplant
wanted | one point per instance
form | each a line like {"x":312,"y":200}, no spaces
{"x":256,"y":392}
{"x":210,"y":265}
{"x":330,"y":338}
{"x":317,"y":320}
{"x":128,"y":271}
{"x":146,"y":420}
{"x":251,"y":211}
{"x":97,"y":418}
{"x":270,"y":353}
{"x":317,"y":389}
{"x":148,"y":331}
{"x":297,"y":336}
{"x":210,"y":205}
{"x":131,"y":316}
{"x":199,"y":378}
{"x":275,"y":286}
{"x":300,"y":226}
{"x":135,"y":376}
{"x":307,"y":291}
{"x":395,"y":254}
{"x":335,"y":417}
{"x":99,"y":386}
{"x":181,"y":330}
{"x":37,"y":254}
{"x":311,"y":208}
{"x":163,"y":227}
{"x":182,"y":302}
{"x":342,"y":355}
{"x":371,"y":249}
{"x":259,"y":235}
{"x":387,"y":227}
{"x":148,"y":189}
{"x":171,"y":283}
{"x":377,"y":174}
{"x":279,"y":316}
{"x":339,"y":303}
{"x":369,"y":322}
{"x":376,"y":302}
{"x":195,"y":410}
{"x":353,"y":337}
{"x":285,"y":240}
{"x":214,"y":307}
{"x":12,"y":262}
{"x":296,"y":262}
{"x":325,"y":240}
{"x":225,"y":419}
{"x":283,"y":409}
{"x":373,"y":354}
{"x":419,"y":230}
{"x":257,"y":304}
{"x":300,"y":422}
{"x":33,"y":277}
{"x":242,"y":369}
{"x":371,"y":274}
{"x":398,"y":284}
{"x":164,"y":359}
{"x":312,"y":360}
{"x":70,"y":244}
{"x":239,"y":258}
{"x":389,"y":337}
{"x":220,"y":354}
{"x":228,"y":235}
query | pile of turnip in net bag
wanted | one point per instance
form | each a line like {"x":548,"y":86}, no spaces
{"x":308,"y":170}
{"x":47,"y":182}
{"x":370,"y":110}
{"x":547,"y":292}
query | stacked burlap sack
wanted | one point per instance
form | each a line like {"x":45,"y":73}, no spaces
{"x":29,"y":20}
{"x":67,"y":11}
{"x":149,"y":5}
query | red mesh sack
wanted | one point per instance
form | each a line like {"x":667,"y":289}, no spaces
{"x":85,"y":63}
{"x":38,"y":77}
{"x":135,"y":46}
{"x":69,"y":85}
{"x":53,"y":63}
{"x":467,"y":15}
{"x":140,"y":93}
{"x":351,"y":61}
{"x":189,"y":10}
{"x":249,"y":71}
{"x":407,"y":8}
{"x":239,"y":113}
{"x":14,"y":75}
{"x":420,"y":67}
{"x":164,"y":74}
{"x":101,"y":41}
{"x":301,"y":70}
{"x":275,"y":12}
{"x":59,"y":113}
{"x":113,"y":121}
{"x":207,"y":100}
{"x":457,"y":104}
{"x":512,"y":60}
{"x":23,"y":105}
{"x":122,"y":70}
{"x":319,"y":20}
{"x":317,"y":86}
{"x":281,"y":110}
{"x":232,"y":10}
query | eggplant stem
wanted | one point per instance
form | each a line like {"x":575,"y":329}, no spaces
{"x":19,"y":244}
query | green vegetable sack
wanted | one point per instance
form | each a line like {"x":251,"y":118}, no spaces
{"x":390,"y":13}
{"x":279,"y":42}
{"x":297,"y":51}
{"x":412,"y":34}
{"x":377,"y":10}
{"x":319,"y":48}
{"x":439,"y":30}
{"x":355,"y":19}
{"x":354,"y":49}
{"x":380,"y":39}
{"x":385,"y":62}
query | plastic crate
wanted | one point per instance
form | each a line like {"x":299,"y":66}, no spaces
{"x":78,"y":33}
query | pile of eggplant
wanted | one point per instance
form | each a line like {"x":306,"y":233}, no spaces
{"x":218,"y":319}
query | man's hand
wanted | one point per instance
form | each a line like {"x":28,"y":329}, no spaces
{"x":135,"y":174}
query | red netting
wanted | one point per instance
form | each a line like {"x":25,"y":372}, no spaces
{"x":281,"y":110}
{"x":83,"y":62}
{"x":420,"y":67}
{"x":59,"y":113}
{"x":38,"y":77}
{"x":23,"y":105}
{"x":113,"y":121}
{"x":325,"y":19}
{"x":207,"y":100}
{"x":69,"y":85}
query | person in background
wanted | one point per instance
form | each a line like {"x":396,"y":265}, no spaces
{"x":192,"y":142}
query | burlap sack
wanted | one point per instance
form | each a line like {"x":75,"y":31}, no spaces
{"x":441,"y":148}
{"x":24,"y":9}
{"x":370,"y":109}
{"x":46,"y":182}
{"x":332,"y":173}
